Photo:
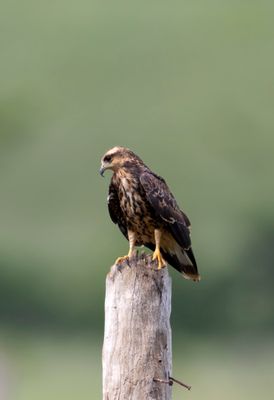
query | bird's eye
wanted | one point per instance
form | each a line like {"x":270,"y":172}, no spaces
{"x":107,"y":158}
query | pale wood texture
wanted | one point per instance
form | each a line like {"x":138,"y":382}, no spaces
{"x":137,"y":340}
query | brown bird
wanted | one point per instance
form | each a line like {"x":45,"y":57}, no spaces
{"x":140,"y":202}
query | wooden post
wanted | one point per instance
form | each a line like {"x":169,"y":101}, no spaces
{"x":137,"y":339}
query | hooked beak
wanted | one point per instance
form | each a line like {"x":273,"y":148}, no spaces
{"x":102,"y":170}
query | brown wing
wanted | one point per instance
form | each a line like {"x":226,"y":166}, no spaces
{"x":114,"y":209}
{"x":165,"y":207}
{"x":187,"y":221}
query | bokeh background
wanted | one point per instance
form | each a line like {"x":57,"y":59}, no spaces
{"x":187,"y":85}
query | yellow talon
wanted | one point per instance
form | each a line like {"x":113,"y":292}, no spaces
{"x":131,"y":238}
{"x":120,"y":260}
{"x":158,"y":256}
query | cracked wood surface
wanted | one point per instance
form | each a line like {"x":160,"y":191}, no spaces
{"x":137,"y":338}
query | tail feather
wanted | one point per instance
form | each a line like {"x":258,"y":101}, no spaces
{"x":180,"y":259}
{"x":184,"y":261}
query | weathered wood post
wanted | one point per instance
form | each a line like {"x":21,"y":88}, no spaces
{"x":137,"y":339}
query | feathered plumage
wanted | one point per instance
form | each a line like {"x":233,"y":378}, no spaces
{"x":145,"y":210}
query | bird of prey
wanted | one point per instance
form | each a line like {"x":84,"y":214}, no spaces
{"x":141,"y":204}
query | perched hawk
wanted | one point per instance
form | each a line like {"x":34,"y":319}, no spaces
{"x":146,"y":212}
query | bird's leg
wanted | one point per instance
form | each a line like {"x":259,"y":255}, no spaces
{"x":132,"y":240}
{"x":157,"y":253}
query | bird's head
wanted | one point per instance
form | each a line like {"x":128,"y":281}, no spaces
{"x":116,"y":158}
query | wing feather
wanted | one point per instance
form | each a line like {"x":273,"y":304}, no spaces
{"x":115,"y":210}
{"x":165,"y":207}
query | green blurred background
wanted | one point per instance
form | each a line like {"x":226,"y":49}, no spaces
{"x":187,"y":85}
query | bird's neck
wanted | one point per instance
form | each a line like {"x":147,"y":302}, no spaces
{"x":129,"y":172}
{"x":127,"y":178}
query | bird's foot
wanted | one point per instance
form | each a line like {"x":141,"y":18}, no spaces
{"x":158,"y":256}
{"x":120,"y":260}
